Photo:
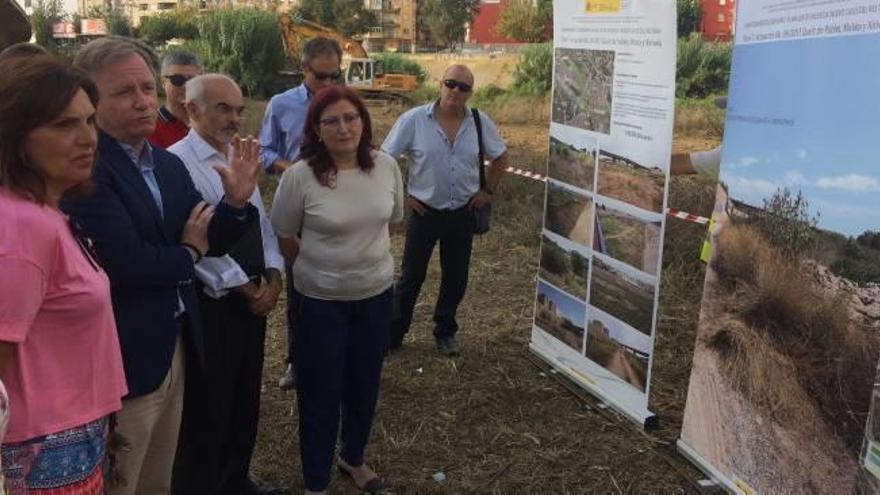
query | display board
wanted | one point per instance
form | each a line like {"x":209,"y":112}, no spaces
{"x":608,"y":170}
{"x":787,"y":345}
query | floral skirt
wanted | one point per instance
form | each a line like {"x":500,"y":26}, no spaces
{"x":67,"y":462}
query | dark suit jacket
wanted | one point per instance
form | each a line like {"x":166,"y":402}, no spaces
{"x":140,"y":250}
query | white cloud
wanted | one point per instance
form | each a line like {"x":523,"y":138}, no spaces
{"x":752,"y":188}
{"x":850,"y":182}
{"x":746,"y":161}
{"x":801,"y":154}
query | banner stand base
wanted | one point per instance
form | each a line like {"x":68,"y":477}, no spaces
{"x":648,"y":421}
{"x":707,"y":468}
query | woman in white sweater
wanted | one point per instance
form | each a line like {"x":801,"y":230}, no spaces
{"x":332,"y":213}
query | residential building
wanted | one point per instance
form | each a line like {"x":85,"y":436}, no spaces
{"x":68,"y":6}
{"x":481,"y":31}
{"x":395,"y":30}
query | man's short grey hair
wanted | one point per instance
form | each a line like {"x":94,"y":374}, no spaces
{"x":195,"y":87}
{"x":180,"y":57}
{"x":317,"y":47}
{"x":100,"y":52}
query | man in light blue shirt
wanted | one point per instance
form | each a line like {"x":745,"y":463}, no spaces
{"x":440,"y":141}
{"x":282,"y":130}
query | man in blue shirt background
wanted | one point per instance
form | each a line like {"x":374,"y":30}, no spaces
{"x":440,"y":140}
{"x":282,"y":130}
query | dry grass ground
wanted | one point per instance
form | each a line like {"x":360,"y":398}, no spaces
{"x":490,"y":420}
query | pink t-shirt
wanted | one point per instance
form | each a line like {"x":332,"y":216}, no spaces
{"x":66,"y":369}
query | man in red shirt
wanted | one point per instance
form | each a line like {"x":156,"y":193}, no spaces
{"x":178,"y":67}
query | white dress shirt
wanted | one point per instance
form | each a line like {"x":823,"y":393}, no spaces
{"x":219,"y":274}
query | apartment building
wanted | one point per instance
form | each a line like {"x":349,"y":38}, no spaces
{"x":396,"y":27}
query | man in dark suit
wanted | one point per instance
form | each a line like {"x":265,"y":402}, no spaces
{"x":150,"y":226}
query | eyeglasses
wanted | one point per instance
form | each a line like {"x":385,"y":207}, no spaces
{"x":348,"y":118}
{"x":452,"y":84}
{"x":178,"y":80}
{"x":326,"y":76}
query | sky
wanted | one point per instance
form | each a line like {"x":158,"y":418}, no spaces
{"x":621,"y":332}
{"x":828,"y":92}
{"x":568,"y":307}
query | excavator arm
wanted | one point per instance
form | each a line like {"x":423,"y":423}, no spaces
{"x":295,"y":31}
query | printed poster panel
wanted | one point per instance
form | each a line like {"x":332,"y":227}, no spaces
{"x":787,"y":347}
{"x":610,"y":142}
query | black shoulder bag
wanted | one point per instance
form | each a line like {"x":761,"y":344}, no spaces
{"x":483,"y":214}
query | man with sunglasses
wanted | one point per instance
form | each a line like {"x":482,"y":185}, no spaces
{"x":282,"y":131}
{"x":440,"y":141}
{"x":172,"y":123}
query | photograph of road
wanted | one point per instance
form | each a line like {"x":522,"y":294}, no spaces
{"x":787,"y":347}
{"x":582,"y":89}
{"x":560,"y":315}
{"x":630,"y":182}
{"x":569,"y":214}
{"x":564,"y":265}
{"x":618,"y":348}
{"x":571,"y":164}
{"x":627,"y":238}
{"x":622,"y":295}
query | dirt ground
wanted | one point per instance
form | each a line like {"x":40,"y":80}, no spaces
{"x":490,"y":420}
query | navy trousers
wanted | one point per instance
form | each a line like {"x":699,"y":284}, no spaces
{"x":338,"y":350}
{"x":454,"y":230}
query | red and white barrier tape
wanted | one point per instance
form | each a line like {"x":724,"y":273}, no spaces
{"x":683,"y":215}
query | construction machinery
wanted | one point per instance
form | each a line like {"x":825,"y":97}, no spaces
{"x":362,"y":73}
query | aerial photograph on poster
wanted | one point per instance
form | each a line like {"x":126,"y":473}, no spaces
{"x":582,"y":89}
{"x":560,"y":315}
{"x":569,"y":214}
{"x":789,"y":336}
{"x":565,"y":265}
{"x":572,"y":158}
{"x":627,"y":238}
{"x":622,"y":294}
{"x":633,"y":183}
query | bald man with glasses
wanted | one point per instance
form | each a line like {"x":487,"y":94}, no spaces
{"x":443,"y":190}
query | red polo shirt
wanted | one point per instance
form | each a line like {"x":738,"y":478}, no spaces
{"x":168,"y":130}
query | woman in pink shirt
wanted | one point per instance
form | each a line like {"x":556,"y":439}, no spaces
{"x":59,"y":352}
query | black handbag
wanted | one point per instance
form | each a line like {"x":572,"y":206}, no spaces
{"x":483,"y":214}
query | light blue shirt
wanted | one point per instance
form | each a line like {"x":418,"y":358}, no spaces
{"x":443,"y":174}
{"x":146,"y":166}
{"x":221,"y":273}
{"x":281,"y":134}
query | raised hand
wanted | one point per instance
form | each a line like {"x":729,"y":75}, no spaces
{"x":240,"y":176}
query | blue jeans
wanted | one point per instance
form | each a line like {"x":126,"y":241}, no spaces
{"x":338,"y":350}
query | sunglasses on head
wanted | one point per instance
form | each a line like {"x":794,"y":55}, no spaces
{"x":452,"y":84}
{"x":178,"y":79}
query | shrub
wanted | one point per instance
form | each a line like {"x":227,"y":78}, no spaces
{"x":534,"y":73}
{"x":158,"y":29}
{"x":699,"y":116}
{"x":703,"y":68}
{"x":393,"y":63}
{"x":555,"y":260}
{"x":245,"y":44}
{"x":689,"y":14}
{"x":787,"y":223}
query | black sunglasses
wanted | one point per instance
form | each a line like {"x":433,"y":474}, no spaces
{"x":326,"y":76}
{"x":178,"y":79}
{"x":452,"y":84}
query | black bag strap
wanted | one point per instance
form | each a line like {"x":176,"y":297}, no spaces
{"x":479,"y":123}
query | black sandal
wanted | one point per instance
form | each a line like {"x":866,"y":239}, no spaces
{"x":372,"y":486}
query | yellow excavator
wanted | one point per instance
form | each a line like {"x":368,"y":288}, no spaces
{"x":362,"y":73}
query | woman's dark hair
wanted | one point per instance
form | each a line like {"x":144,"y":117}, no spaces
{"x":313,"y":149}
{"x":33,"y":92}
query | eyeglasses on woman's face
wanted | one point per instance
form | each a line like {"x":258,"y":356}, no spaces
{"x":334,"y":121}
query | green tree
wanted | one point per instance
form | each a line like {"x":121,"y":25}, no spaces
{"x":446,"y":20}
{"x":158,"y":29}
{"x":44,"y":14}
{"x":787,"y":223}
{"x":688,"y":17}
{"x":534,"y":72}
{"x":244,"y":43}
{"x":115,"y":19}
{"x":523,"y":20}
{"x":348,"y":17}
